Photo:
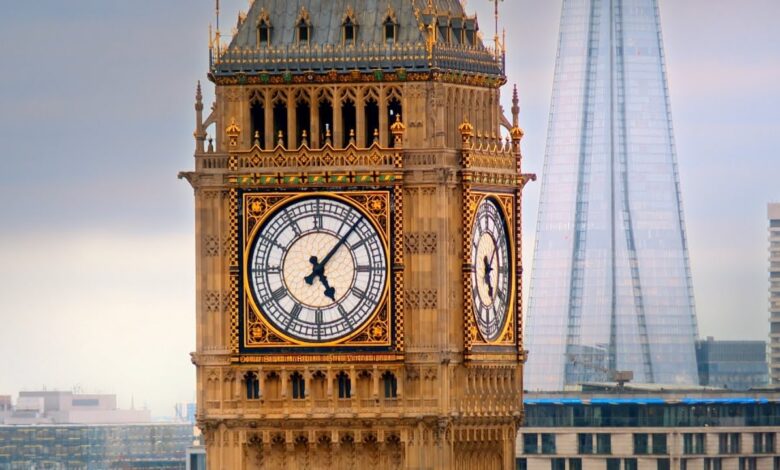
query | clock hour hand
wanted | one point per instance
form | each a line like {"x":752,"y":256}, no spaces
{"x":488,"y":269}
{"x":318,"y":270}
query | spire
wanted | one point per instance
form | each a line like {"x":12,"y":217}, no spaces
{"x":515,"y":108}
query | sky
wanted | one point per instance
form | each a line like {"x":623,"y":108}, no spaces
{"x":97,"y":286}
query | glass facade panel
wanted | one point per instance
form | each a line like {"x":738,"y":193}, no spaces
{"x":611,"y":287}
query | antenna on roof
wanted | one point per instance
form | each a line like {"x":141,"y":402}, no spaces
{"x":217,"y":9}
{"x":496,"y":38}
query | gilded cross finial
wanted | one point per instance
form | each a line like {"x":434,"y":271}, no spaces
{"x":352,"y":137}
{"x":280,"y":139}
{"x":257,"y":139}
{"x":233,"y":132}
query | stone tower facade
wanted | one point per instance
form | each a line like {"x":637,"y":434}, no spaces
{"x":358,"y":241}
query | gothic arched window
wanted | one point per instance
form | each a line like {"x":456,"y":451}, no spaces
{"x":345,"y":385}
{"x":298,"y":386}
{"x":303,"y":28}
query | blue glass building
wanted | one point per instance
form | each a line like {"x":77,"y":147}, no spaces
{"x":611,"y":286}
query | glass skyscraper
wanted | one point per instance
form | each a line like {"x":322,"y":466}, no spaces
{"x":611,"y":285}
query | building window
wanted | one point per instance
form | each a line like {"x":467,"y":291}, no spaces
{"x":663,"y":464}
{"x":575,"y":464}
{"x":747,"y":463}
{"x":613,"y":464}
{"x":391,"y":31}
{"x":640,"y":444}
{"x":693,"y":443}
{"x":298,"y":386}
{"x":659,"y":444}
{"x":584,"y":443}
{"x":350,"y":32}
{"x":548,"y":443}
{"x":630,"y":464}
{"x":252,"y":386}
{"x":263,"y":34}
{"x":530,"y":443}
{"x":345,"y":386}
{"x":683,"y":464}
{"x":303,"y":33}
{"x":391,"y":385}
{"x":558,"y":464}
{"x":603,"y":443}
{"x":764,"y":443}
{"x":521,"y":464}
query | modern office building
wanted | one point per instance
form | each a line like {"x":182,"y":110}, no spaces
{"x":95,"y":447}
{"x":642,"y":428}
{"x":57,"y":407}
{"x":733,"y":365}
{"x":773,"y":212}
{"x":611,"y":286}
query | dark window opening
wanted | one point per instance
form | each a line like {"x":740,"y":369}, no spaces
{"x":659,"y":444}
{"x":257,"y":114}
{"x":558,"y":464}
{"x":393,"y":112}
{"x":603,"y":443}
{"x":349,"y":32}
{"x":391,"y":385}
{"x":252,"y":386}
{"x":280,"y":120}
{"x":263,"y":34}
{"x":390,"y":29}
{"x":530,"y":443}
{"x":613,"y":464}
{"x":663,"y":464}
{"x":298,"y":386}
{"x":372,"y":122}
{"x":303,"y":121}
{"x":548,"y":443}
{"x":640,"y":444}
{"x":326,"y":121}
{"x":575,"y":464}
{"x":585,"y":443}
{"x":349,"y":120}
{"x":303,"y":32}
{"x":345,"y":386}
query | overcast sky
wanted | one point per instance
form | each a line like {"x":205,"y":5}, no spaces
{"x":96,"y":119}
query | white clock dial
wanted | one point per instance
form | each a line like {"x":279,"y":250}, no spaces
{"x":491,"y":277}
{"x":317,"y":269}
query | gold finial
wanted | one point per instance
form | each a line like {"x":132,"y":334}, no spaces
{"x":257,"y":139}
{"x":280,"y":139}
{"x":376,"y":135}
{"x":516,"y":133}
{"x":397,"y":129}
{"x":304,"y":141}
{"x":327,"y":135}
{"x":352,"y":136}
{"x":233,"y":132}
{"x":466,"y":130}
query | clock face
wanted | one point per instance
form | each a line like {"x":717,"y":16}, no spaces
{"x":490,"y":279}
{"x":317,"y":269}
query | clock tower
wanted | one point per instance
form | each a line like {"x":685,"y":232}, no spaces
{"x":358,"y":231}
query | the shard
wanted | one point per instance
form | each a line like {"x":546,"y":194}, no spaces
{"x":611,"y":286}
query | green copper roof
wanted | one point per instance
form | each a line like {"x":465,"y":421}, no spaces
{"x":457,"y":47}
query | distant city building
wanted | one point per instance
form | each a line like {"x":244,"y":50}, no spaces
{"x":611,"y":286}
{"x":95,"y":447}
{"x":773,"y":211}
{"x":56,"y":407}
{"x":196,"y":457}
{"x":734,"y":365}
{"x":649,"y":428}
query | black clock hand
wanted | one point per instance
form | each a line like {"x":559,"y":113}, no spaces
{"x":318,"y":267}
{"x":488,"y":269}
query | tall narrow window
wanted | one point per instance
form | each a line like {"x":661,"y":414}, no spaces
{"x":345,"y":386}
{"x":257,"y":112}
{"x":391,"y":30}
{"x":298,"y":386}
{"x":349,"y":121}
{"x":252,"y":386}
{"x":371,"y":117}
{"x":349,"y":32}
{"x":303,"y":33}
{"x":263,"y":34}
{"x":390,"y":384}
{"x":393,"y":112}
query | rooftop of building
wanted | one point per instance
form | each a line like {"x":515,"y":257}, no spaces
{"x":615,"y":393}
{"x":320,"y":36}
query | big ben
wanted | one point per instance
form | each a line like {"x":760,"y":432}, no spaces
{"x":358,"y":241}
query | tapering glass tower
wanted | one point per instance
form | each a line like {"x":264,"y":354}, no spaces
{"x":611,"y":285}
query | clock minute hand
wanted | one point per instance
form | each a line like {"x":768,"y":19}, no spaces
{"x":338,"y":245}
{"x":488,"y":269}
